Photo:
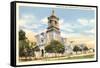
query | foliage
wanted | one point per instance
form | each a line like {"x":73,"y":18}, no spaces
{"x":36,"y":48}
{"x":85,"y":49}
{"x":55,"y":47}
{"x":25,"y":49}
{"x":76,"y":49}
{"x":22,"y":35}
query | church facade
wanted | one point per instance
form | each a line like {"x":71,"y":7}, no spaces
{"x":53,"y":33}
{"x":53,"y":30}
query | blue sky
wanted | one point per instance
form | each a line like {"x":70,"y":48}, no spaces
{"x":73,"y":22}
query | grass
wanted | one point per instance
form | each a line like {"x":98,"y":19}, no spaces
{"x":71,"y":58}
{"x":63,"y":58}
{"x":81,"y":57}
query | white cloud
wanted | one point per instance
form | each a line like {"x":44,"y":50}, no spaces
{"x":28,"y":16}
{"x":30,"y":22}
{"x":21,"y":22}
{"x":63,"y":34}
{"x":61,"y":21}
{"x":82,"y":27}
{"x":89,"y":22}
{"x":83,"y":21}
{"x":26,"y":19}
{"x":93,"y":21}
{"x":65,"y":26}
{"x":44,"y":20}
{"x":92,"y":31}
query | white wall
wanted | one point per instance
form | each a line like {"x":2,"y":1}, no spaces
{"x":5,"y":34}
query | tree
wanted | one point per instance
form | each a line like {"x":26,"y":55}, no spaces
{"x":76,"y":49}
{"x":23,"y":44}
{"x":23,"y":47}
{"x":22,"y":35}
{"x":31,"y":47}
{"x":85,"y":49}
{"x":36,"y":48}
{"x":55,"y":47}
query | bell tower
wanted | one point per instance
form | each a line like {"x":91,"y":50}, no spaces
{"x":53,"y":30}
{"x":53,"y":21}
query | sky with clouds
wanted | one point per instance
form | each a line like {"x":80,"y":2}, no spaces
{"x":72,"y":22}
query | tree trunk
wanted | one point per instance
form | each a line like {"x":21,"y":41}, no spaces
{"x":76,"y":52}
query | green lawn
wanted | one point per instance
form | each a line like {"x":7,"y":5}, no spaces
{"x":71,"y":58}
{"x":62,"y":58}
{"x":81,"y":57}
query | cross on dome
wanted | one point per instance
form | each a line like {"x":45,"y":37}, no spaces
{"x":53,"y":12}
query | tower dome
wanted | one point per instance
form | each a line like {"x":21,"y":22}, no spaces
{"x":53,"y":30}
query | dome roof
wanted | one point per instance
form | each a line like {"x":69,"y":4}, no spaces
{"x":53,"y":15}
